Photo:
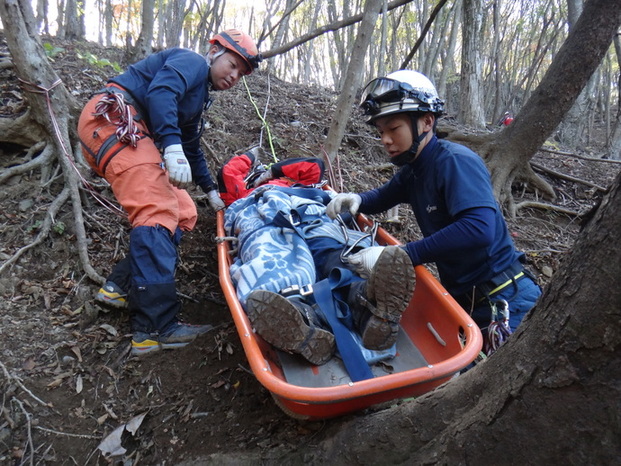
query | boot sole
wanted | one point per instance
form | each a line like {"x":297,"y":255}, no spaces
{"x":393,"y":266}
{"x":379,"y":334}
{"x":279,"y":323}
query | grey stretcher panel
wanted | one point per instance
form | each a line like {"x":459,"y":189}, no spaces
{"x":299,"y":372}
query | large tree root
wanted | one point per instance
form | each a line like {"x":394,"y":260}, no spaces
{"x":21,"y":130}
{"x":71,"y":190}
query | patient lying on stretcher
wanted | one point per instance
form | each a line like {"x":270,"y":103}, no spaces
{"x":302,"y":277}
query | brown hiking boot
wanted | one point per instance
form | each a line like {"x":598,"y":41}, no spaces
{"x":378,"y":303}
{"x":289,"y":325}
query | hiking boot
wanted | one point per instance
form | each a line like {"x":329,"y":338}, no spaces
{"x":290,"y":325}
{"x":112,"y":295}
{"x":175,"y":336}
{"x":378,"y":303}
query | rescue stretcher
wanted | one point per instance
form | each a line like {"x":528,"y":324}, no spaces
{"x":436,"y":340}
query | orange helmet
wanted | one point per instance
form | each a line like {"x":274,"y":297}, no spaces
{"x":240,"y":43}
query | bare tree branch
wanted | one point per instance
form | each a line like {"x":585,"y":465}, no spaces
{"x":423,"y":33}
{"x":327,"y":28}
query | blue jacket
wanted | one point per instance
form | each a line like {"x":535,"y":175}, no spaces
{"x":171,"y":89}
{"x":449,"y":189}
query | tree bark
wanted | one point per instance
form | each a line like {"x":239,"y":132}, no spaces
{"x":74,"y":20}
{"x":572,"y":129}
{"x":614,"y":143}
{"x":144,"y":44}
{"x":471,"y":107}
{"x":448,"y":62}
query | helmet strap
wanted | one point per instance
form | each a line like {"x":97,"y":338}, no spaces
{"x":210,"y":58}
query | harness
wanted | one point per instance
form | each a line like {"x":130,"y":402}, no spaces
{"x":493,"y":286}
{"x":118,"y":108}
{"x":498,"y":330}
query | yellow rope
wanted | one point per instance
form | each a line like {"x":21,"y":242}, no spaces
{"x":269,"y":134}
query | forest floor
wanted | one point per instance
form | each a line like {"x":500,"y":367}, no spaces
{"x":67,"y":380}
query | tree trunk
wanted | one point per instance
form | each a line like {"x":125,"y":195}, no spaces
{"x":144,"y":44}
{"x":508,"y":153}
{"x":352,"y":78}
{"x":108,"y":22}
{"x":74,"y":20}
{"x":471,"y":108}
{"x":573,"y":127}
{"x":52,"y":107}
{"x":614,"y":143}
{"x":423,"y":34}
{"x":551,"y":393}
{"x":43,"y":24}
{"x":339,"y":47}
{"x":175,"y":14}
{"x":448,"y":63}
{"x":309,"y":56}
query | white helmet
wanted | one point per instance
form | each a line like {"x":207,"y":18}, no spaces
{"x":401,"y":91}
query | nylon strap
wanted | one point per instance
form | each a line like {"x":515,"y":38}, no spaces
{"x":337,"y":314}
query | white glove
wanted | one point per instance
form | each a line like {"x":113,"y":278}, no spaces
{"x":340,"y":202}
{"x":364,"y":261}
{"x":214,"y":200}
{"x":179,"y":171}
{"x":264,"y":178}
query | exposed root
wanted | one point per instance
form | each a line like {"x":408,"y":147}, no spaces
{"x":33,"y":163}
{"x":542,"y":205}
{"x":562,"y":176}
{"x":21,"y":130}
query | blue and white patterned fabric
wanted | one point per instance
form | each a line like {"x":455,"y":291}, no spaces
{"x":273,"y":257}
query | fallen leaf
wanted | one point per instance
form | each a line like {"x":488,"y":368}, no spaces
{"x":111,"y":445}
{"x":217,"y":384}
{"x":547,"y":271}
{"x":29,"y":364}
{"x":110,"y":329}
{"x":59,"y":379}
{"x":77,"y":352}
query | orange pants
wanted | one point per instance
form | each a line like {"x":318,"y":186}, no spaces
{"x":136,"y":175}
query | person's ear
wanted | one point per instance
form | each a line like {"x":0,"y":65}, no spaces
{"x":212,"y":50}
{"x":428,"y":121}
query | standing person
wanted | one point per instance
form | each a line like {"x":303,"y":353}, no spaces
{"x":449,"y":189}
{"x":142,"y":134}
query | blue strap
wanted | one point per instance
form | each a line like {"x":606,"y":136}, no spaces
{"x":296,"y":216}
{"x":336,"y":312}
